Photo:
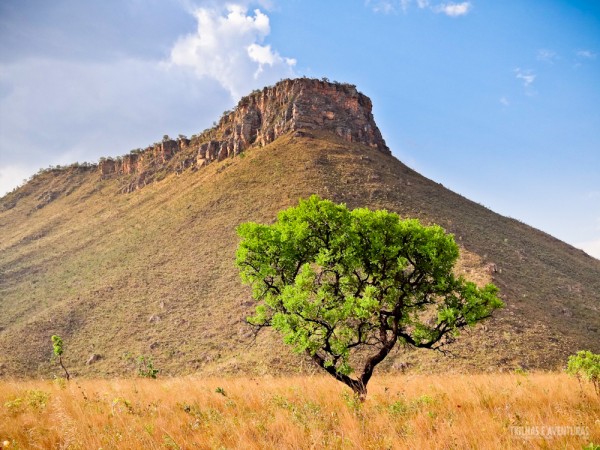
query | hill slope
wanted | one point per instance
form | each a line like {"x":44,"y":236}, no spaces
{"x":151,"y":272}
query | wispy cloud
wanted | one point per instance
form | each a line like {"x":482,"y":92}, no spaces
{"x":547,"y":56}
{"x":586,"y":54}
{"x":504,"y":101}
{"x":450,"y":9}
{"x":228,"y":46}
{"x":387,"y":6}
{"x":454,"y":9}
{"x":526,"y":76}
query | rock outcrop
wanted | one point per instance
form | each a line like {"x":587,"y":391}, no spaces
{"x":298,"y":105}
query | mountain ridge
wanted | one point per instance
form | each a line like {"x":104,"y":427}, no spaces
{"x":292,"y":105}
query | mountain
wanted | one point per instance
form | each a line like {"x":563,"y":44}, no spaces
{"x":135,"y":255}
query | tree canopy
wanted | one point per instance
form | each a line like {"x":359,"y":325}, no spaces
{"x":345,"y":286}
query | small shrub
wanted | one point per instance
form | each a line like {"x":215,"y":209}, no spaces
{"x":403,"y":408}
{"x":399,"y":408}
{"x":60,"y":382}
{"x":585,"y":365}
{"x":521,"y":371}
{"x":424,"y":400}
{"x":146,"y":367}
{"x":14,"y":406}
{"x":37,"y":399}
{"x":220,"y":390}
{"x":120,"y":404}
{"x":353,"y":401}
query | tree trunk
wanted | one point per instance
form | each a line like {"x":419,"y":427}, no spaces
{"x":358,"y":386}
{"x":64,"y":368}
{"x":360,"y":390}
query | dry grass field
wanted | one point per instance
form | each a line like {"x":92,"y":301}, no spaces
{"x":492,"y":411}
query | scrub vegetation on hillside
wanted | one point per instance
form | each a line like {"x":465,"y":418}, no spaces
{"x":152,"y":272}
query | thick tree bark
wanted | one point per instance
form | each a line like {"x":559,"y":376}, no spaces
{"x":357,"y":386}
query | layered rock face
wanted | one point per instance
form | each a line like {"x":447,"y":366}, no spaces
{"x":298,"y":105}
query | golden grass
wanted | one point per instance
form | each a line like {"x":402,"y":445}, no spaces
{"x":417,"y":412}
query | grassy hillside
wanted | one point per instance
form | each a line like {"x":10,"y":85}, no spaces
{"x":152,"y":272}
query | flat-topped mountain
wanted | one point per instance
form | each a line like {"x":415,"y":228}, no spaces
{"x":259,"y":119}
{"x":135,"y":255}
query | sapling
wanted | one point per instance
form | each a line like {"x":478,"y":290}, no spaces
{"x":57,"y":345}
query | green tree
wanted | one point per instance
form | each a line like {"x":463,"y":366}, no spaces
{"x":585,"y":364}
{"x":57,"y":345}
{"x":347,"y":286}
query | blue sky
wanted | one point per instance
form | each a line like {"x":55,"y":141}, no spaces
{"x":497,"y":100}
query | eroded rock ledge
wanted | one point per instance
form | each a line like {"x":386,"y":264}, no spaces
{"x":291,"y":105}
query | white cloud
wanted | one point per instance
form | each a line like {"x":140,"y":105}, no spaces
{"x":586,"y":54}
{"x":263,"y":55}
{"x":228,"y":47}
{"x":504,"y":101}
{"x":592,"y":248}
{"x":526,"y":76}
{"x":547,"y":56}
{"x":454,"y":9}
{"x":55,"y":111}
{"x":391,"y":6}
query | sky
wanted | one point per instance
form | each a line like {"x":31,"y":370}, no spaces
{"x":497,"y":100}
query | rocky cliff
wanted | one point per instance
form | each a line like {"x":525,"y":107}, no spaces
{"x":298,"y":105}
